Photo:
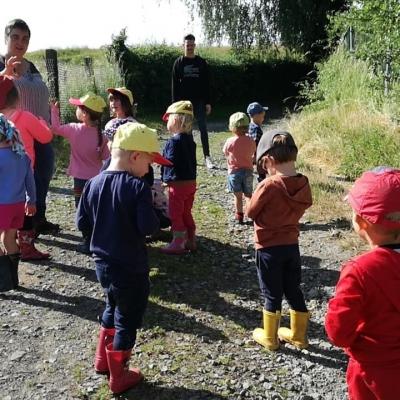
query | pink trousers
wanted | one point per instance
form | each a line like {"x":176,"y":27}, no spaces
{"x":181,"y":198}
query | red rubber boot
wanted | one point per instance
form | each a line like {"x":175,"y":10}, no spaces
{"x":26,"y":240}
{"x":121,"y":377}
{"x":106,"y":336}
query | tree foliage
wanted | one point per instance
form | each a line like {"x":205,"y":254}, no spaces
{"x":376,"y":25}
{"x":297,"y":24}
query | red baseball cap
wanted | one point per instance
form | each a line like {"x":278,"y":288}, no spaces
{"x":6,"y":84}
{"x":375,"y":196}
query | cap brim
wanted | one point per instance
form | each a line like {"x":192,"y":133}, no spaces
{"x":75,"y":102}
{"x":159,"y":159}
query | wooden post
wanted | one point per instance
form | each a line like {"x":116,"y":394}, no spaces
{"x":89,"y":66}
{"x":52,"y":73}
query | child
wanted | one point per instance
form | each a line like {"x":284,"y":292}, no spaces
{"x":364,"y":315}
{"x":257,"y":115}
{"x":239,"y":151}
{"x":116,"y":206}
{"x":276,"y":206}
{"x":121,"y":109}
{"x":17,"y":197}
{"x":30,"y":129}
{"x":180,"y":178}
{"x":88,"y":147}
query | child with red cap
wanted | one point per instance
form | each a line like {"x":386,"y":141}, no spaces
{"x":364,"y":315}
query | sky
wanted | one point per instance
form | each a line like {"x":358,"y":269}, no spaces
{"x":85,"y":23}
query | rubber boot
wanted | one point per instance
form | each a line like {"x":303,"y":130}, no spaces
{"x":239,"y":216}
{"x":121,"y":377}
{"x":27,"y":247}
{"x":297,"y":334}
{"x":14,"y":262}
{"x":6,"y":282}
{"x":177,"y":246}
{"x":267,"y":336}
{"x":190,"y":243}
{"x":106,"y":336}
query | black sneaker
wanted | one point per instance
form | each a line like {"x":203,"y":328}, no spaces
{"x":45,"y":227}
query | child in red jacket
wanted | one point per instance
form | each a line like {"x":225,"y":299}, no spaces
{"x":364,"y":315}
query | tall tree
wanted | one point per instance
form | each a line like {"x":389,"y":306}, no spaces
{"x":297,"y":24}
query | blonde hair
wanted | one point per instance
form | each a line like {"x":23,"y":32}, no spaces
{"x":186,"y":121}
{"x":240,"y":131}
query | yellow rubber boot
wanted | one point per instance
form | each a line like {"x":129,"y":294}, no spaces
{"x":267,"y":336}
{"x":297,"y":334}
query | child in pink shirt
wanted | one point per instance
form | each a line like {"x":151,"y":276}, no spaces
{"x":30,"y":129}
{"x":239,"y":151}
{"x":88,"y":146}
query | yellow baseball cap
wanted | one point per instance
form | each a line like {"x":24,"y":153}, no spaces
{"x":135,"y":136}
{"x":238,"y":120}
{"x":180,"y":107}
{"x":124,"y":91}
{"x":91,"y":101}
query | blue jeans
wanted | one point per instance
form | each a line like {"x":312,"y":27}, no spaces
{"x":125,"y":304}
{"x":279,"y":273}
{"x":199,"y":110}
{"x":44,"y":170}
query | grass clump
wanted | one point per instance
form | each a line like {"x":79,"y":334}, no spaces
{"x":347,"y":128}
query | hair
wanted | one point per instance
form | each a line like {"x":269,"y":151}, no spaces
{"x":16,"y":24}
{"x":125,"y":103}
{"x":282,"y":152}
{"x":12,"y":97}
{"x":186,"y":121}
{"x":95,"y":117}
{"x":190,"y":36}
{"x":240,"y":130}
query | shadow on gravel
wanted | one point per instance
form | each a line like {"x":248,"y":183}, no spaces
{"x":69,"y":236}
{"x":54,"y":242}
{"x":213,"y":280}
{"x":81,"y":306}
{"x":314,"y":276}
{"x":340,"y":223}
{"x":149,"y":391}
{"x":61,"y":190}
{"x":331,"y":358}
{"x":88,"y":273}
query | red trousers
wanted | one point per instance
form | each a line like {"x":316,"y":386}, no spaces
{"x":181,"y":198}
{"x":372,"y":383}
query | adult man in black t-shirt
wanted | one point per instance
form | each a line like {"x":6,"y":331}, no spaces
{"x":190,"y":81}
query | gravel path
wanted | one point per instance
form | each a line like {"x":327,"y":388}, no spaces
{"x":196,"y":340}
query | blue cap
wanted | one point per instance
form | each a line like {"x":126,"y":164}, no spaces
{"x":255,"y":108}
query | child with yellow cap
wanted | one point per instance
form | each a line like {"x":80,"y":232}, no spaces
{"x":116,"y":206}
{"x":180,"y":178}
{"x":88,"y":146}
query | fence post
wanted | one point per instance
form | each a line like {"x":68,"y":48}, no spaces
{"x":52,"y":73}
{"x":89,"y":66}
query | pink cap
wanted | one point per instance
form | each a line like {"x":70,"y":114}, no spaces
{"x":375,"y":196}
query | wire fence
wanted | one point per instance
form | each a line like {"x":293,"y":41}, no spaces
{"x":66,"y":80}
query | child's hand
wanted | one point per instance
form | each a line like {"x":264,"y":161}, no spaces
{"x":55,"y":104}
{"x":30,"y":209}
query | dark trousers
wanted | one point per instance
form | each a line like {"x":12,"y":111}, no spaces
{"x":125,"y":303}
{"x":44,"y":170}
{"x":279,"y":273}
{"x":79,"y":184}
{"x":199,"y":110}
